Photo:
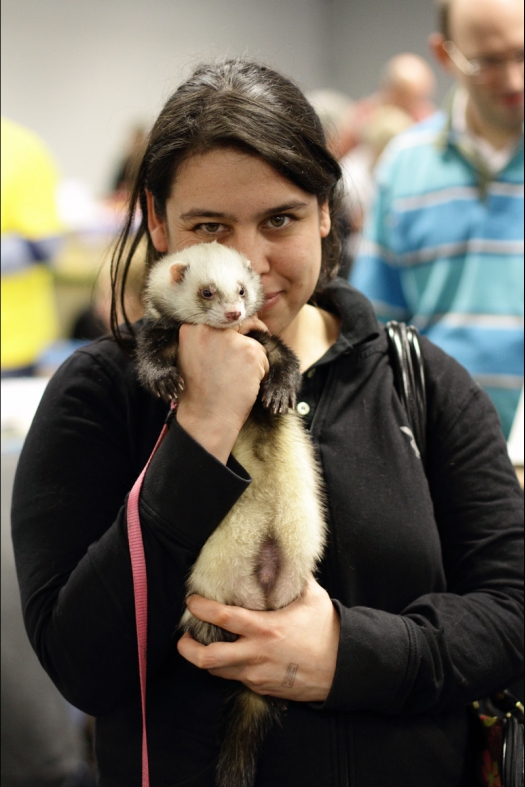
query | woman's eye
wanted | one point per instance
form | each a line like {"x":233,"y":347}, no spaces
{"x":279,"y":221}
{"x":210,"y":227}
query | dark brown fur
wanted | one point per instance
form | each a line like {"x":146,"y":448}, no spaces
{"x":157,"y":355}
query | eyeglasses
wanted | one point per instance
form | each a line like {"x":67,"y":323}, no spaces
{"x":482,"y":69}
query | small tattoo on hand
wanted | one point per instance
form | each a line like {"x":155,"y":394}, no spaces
{"x":289,"y":678}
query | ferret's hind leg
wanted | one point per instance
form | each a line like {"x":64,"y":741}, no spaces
{"x":203,"y":632}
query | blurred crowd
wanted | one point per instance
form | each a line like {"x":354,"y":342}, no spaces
{"x":42,"y":211}
{"x":433,"y":235}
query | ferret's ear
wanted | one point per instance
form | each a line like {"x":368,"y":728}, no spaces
{"x":246,"y":262}
{"x":177,"y":271}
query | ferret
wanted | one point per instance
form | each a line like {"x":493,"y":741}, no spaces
{"x":263,"y":551}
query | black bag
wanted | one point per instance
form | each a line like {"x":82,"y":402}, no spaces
{"x":499,"y":717}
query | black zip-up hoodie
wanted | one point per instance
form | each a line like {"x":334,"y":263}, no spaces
{"x":425,"y":569}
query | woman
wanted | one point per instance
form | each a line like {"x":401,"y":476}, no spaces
{"x":416,"y":607}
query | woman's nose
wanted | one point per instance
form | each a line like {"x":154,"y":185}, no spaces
{"x":256,"y":250}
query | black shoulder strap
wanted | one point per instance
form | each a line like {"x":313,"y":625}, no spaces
{"x":409,"y":377}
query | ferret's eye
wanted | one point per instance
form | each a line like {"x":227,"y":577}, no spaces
{"x":242,"y":292}
{"x":207,"y":294}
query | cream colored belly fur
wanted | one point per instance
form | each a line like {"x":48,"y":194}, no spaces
{"x":280,"y":514}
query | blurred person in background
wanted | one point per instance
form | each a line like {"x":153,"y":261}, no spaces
{"x":95,"y":320}
{"x":335,"y":111}
{"x":364,"y":127}
{"x":31,"y":230}
{"x":444,"y":245}
{"x":43,"y":739}
{"x":384,"y":123}
{"x":406,"y":82}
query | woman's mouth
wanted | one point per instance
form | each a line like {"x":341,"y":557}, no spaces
{"x":269,"y":301}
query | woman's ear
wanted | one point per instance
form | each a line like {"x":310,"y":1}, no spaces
{"x":325,"y":222}
{"x":156,"y":225}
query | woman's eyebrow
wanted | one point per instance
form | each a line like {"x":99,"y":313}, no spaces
{"x":296,"y":205}
{"x":205,"y":213}
{"x":202,"y":213}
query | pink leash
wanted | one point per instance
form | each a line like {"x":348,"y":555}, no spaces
{"x":140,"y":588}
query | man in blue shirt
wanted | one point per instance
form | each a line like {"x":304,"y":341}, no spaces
{"x":444,"y":244}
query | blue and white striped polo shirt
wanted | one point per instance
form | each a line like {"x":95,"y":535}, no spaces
{"x":443,"y":250}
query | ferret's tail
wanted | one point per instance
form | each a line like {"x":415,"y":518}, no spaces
{"x":249,"y":716}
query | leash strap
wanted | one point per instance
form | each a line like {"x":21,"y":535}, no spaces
{"x":140,"y":587}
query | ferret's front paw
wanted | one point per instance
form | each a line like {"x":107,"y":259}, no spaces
{"x":276,"y":399}
{"x":168,"y":386}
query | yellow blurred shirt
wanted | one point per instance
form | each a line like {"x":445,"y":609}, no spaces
{"x":28,"y":211}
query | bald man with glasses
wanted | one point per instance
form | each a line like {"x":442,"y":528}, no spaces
{"x":444,"y":245}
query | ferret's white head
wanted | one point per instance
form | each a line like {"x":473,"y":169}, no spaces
{"x":206,"y":283}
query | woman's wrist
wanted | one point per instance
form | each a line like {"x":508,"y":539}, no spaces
{"x":216,"y":434}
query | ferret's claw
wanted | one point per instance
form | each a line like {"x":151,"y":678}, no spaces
{"x":167,"y":386}
{"x":277,"y":402}
{"x":270,"y":402}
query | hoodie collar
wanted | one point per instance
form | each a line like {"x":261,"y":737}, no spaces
{"x":358,"y":321}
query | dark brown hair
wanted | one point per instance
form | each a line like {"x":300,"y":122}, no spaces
{"x":233,"y":103}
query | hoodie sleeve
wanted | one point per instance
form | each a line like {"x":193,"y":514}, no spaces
{"x":448,"y":648}
{"x":89,"y":440}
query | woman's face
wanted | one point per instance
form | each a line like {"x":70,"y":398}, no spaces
{"x":239,"y":200}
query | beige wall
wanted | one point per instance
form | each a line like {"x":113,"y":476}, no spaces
{"x":80,"y":73}
{"x":367,"y":33}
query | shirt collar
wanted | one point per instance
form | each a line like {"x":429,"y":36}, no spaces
{"x":494,"y":159}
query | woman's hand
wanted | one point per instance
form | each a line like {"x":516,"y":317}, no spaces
{"x":222,"y":371}
{"x":289,"y":653}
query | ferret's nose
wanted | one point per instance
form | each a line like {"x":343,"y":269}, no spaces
{"x":232,"y":316}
